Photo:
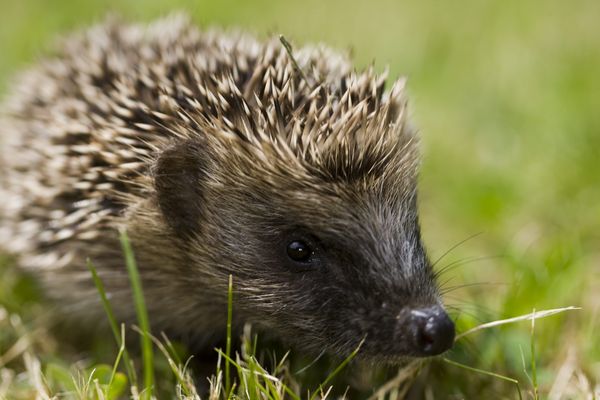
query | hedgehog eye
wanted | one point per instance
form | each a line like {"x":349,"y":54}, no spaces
{"x":299,"y":251}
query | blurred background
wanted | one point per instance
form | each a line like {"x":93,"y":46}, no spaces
{"x":506,"y":95}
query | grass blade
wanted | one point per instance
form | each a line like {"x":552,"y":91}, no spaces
{"x":288,"y":48}
{"x":534,"y":315}
{"x":533,"y":366}
{"x":337,"y":370}
{"x":113,"y":322}
{"x":484,"y":372}
{"x":142,"y":314}
{"x":228,"y":343}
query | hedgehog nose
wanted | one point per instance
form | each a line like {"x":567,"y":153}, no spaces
{"x":432,"y":331}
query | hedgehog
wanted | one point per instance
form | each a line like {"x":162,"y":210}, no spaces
{"x":222,"y":154}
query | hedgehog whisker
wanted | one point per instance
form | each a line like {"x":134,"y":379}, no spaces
{"x":456,"y":312}
{"x":474,"y":309}
{"x":462,"y":262}
{"x":467,"y":285}
{"x":310,"y":364}
{"x":457,"y":245}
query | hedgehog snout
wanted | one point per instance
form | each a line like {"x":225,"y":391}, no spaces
{"x":431,"y":331}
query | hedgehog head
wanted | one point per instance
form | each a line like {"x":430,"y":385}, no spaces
{"x":307,"y":195}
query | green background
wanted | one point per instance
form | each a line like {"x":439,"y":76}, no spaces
{"x":506,"y":95}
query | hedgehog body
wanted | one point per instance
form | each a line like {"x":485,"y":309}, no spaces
{"x":219,"y":157}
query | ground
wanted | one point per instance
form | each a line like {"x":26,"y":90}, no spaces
{"x":506,"y":96}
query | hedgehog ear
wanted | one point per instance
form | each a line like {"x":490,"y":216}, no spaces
{"x":177,"y":180}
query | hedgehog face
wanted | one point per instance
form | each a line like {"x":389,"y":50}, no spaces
{"x":310,"y":203}
{"x":321,"y":261}
{"x":327,"y":268}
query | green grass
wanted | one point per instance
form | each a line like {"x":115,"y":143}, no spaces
{"x":142,"y":316}
{"x":506,"y":95}
{"x":253,"y":380}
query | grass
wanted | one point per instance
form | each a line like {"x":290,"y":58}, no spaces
{"x":253,"y":381}
{"x":228,"y":339}
{"x":506,"y":97}
{"x":142,"y":315}
{"x":119,"y":335}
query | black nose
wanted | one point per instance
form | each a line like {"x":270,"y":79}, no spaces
{"x":432,"y":330}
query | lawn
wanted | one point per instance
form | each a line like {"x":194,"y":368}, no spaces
{"x":506,"y":96}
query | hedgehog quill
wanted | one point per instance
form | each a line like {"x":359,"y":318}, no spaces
{"x":219,"y":157}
